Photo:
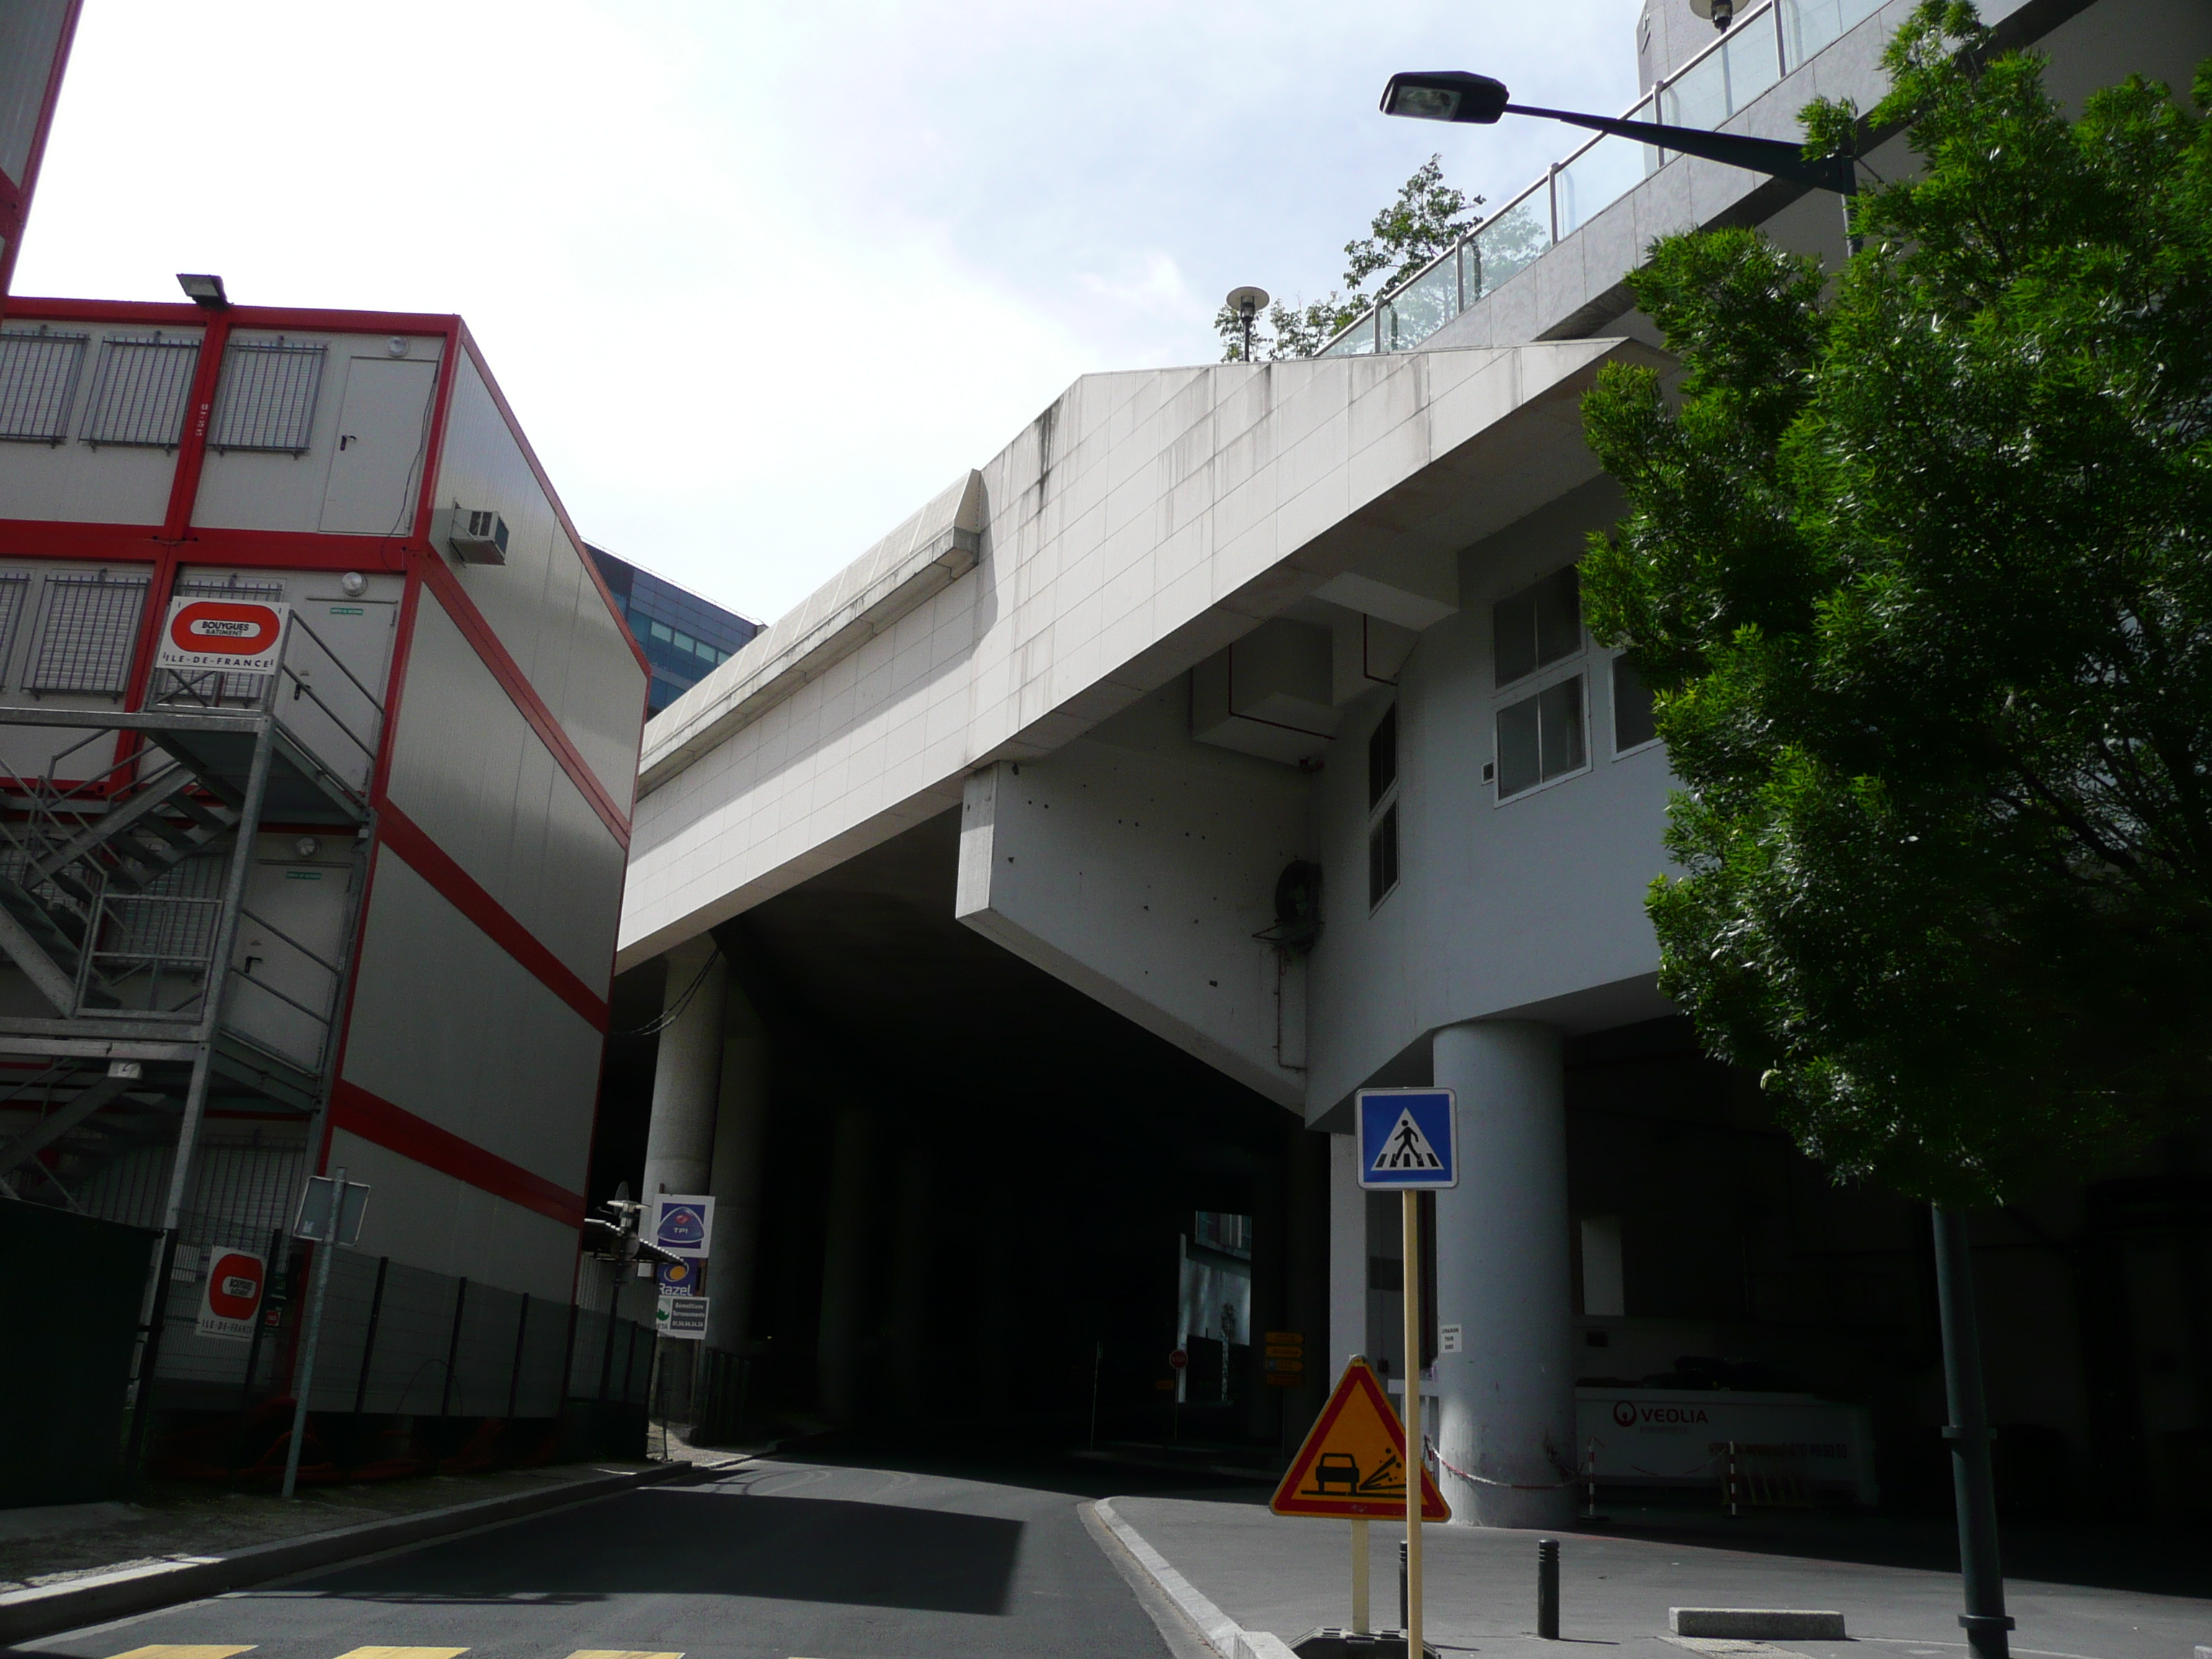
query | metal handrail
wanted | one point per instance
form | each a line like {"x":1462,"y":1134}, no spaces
{"x":1548,"y":181}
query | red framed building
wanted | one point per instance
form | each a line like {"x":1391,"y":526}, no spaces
{"x":359,"y":913}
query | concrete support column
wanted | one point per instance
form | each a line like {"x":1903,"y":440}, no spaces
{"x":1348,"y":1260}
{"x":845,"y":1266}
{"x":1507,"y":1398}
{"x":734,"y":1178}
{"x":679,"y":1138}
{"x":913,"y":1212}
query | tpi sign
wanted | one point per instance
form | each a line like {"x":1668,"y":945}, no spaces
{"x":241,"y":635}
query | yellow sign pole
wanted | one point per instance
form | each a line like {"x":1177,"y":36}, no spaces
{"x":1359,"y":1575}
{"x":1415,"y":1462}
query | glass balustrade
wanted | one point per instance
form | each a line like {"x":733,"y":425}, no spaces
{"x":1595,"y":178}
{"x":1747,"y":62}
{"x":1510,"y":240}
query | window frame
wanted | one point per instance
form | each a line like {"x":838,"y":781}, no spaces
{"x":1384,"y":818}
{"x":1613,"y":710}
{"x":1575,"y":664}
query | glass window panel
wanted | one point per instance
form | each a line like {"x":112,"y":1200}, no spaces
{"x":1382,"y":756}
{"x":1424,"y":305}
{"x":1808,"y":26}
{"x":1382,"y":857}
{"x":684,"y":641}
{"x":1559,"y":722}
{"x":1559,"y":616}
{"x":1753,"y":65}
{"x":1600,"y":176}
{"x":1513,"y":637}
{"x":661,"y":631}
{"x":1699,"y":97}
{"x":1518,"y":766}
{"x":1510,"y":240}
{"x":1358,"y":341}
{"x":1631,"y":708}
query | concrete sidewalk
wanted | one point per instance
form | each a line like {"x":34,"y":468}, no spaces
{"x":1265,"y":1573}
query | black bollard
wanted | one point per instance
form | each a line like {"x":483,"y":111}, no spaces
{"x":1404,"y":1618}
{"x":1547,"y":1589}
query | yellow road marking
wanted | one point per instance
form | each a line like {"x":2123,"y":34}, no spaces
{"x":403,"y":1653}
{"x":184,"y":1650}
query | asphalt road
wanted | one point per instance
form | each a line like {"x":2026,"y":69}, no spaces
{"x":780,"y":1560}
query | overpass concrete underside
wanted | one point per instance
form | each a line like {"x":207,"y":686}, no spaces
{"x":977,"y":1185}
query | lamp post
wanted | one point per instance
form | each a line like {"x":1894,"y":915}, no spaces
{"x":1457,"y":95}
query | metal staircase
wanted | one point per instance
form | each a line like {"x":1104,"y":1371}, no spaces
{"x":123,"y":889}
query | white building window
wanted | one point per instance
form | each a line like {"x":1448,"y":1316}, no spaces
{"x":1382,"y":807}
{"x":139,"y":394}
{"x":1542,"y":729}
{"x":38,"y":384}
{"x":1633,"y":723}
{"x":87,"y":630}
{"x":267,"y":399}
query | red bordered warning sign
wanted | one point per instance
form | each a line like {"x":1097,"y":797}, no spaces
{"x":241,"y":635}
{"x":1352,"y":1465}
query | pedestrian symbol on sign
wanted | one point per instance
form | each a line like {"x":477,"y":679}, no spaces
{"x":1407,"y":1148}
{"x":1407,"y":1138}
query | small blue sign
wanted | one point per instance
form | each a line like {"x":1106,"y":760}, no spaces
{"x":1408,"y":1139}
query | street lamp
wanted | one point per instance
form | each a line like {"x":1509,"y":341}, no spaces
{"x":1457,"y":96}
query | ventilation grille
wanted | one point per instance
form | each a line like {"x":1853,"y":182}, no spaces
{"x":86,"y":635}
{"x":140,"y":393}
{"x":38,"y":384}
{"x":268,"y":396}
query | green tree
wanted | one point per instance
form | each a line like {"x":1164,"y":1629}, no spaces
{"x":1428,"y":217}
{"x":1918,"y":565}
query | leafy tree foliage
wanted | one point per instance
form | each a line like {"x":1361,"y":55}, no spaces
{"x":1426,"y":219}
{"x":1918,"y":564}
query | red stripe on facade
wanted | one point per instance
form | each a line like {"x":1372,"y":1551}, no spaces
{"x":141,"y":543}
{"x":462,"y":891}
{"x":45,"y":309}
{"x":200,"y":414}
{"x":396,"y":1130}
{"x":479,"y":634}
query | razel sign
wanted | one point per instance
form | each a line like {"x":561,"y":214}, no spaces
{"x":241,"y":635}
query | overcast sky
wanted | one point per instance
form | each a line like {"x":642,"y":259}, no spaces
{"x":758,"y":279}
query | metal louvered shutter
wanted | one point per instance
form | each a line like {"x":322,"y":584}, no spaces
{"x":139,"y":394}
{"x":86,"y":632}
{"x":267,"y":401}
{"x":38,"y":384}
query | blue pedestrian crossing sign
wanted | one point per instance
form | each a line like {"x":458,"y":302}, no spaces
{"x":1408,"y":1139}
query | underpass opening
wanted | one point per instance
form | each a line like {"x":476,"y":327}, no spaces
{"x":989,"y":1207}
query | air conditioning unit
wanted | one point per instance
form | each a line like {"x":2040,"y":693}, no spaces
{"x":477,"y":535}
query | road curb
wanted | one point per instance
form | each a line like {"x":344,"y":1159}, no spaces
{"x":47,"y":1608}
{"x":1222,"y":1633}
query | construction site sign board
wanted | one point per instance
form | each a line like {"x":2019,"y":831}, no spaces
{"x":241,"y":636}
{"x":1352,"y":1465}
{"x":1408,"y":1139}
{"x":683,"y":1317}
{"x":230,"y":1294}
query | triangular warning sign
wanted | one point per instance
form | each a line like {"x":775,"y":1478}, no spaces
{"x":1353,"y":1462}
{"x":1404,"y":1149}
